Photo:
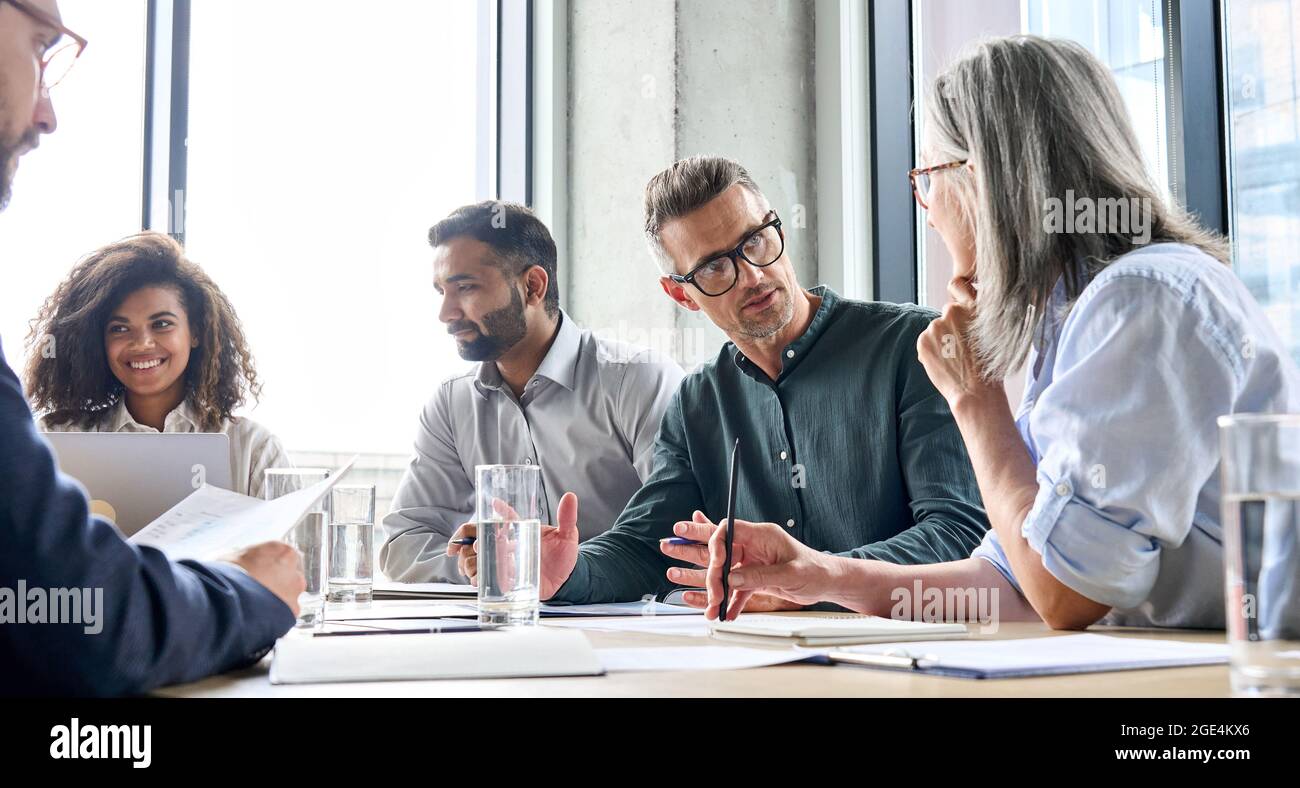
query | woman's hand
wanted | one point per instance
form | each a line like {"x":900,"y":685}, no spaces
{"x":944,"y":348}
{"x":766,"y":561}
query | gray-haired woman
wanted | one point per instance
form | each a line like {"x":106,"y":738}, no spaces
{"x":1102,"y":489}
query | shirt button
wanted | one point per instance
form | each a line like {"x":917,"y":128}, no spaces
{"x":1062,"y":489}
{"x":789,"y":354}
{"x":789,"y":523}
{"x":528,"y":461}
{"x":783,"y":455}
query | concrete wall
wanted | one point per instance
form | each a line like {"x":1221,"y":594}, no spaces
{"x":652,"y":81}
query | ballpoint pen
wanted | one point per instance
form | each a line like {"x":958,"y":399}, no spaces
{"x":731,"y":516}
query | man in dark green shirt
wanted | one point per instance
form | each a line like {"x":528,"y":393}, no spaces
{"x":843,"y":440}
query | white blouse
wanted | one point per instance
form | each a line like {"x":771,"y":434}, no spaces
{"x":253,"y":448}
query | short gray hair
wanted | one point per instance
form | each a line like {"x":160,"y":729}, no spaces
{"x":685,"y":186}
{"x":1038,"y":117}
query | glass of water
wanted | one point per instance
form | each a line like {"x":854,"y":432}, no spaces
{"x":1260,"y":477}
{"x":308,"y":536}
{"x":352,"y":542}
{"x":508,"y":518}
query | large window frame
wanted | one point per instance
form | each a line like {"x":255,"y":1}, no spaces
{"x":505,"y":157}
{"x":522,"y":84}
{"x":1196,"y":130}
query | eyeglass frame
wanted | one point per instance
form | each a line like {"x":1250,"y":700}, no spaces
{"x":689,"y":276}
{"x":45,"y":19}
{"x":916,"y":172}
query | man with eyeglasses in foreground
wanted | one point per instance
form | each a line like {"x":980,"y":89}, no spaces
{"x":843,"y":439}
{"x":151,"y":621}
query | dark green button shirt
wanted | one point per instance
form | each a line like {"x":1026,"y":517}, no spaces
{"x":851,"y":448}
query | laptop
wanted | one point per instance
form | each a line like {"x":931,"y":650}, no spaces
{"x":141,"y":475}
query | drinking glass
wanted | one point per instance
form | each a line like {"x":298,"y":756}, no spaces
{"x":308,"y":536}
{"x":508,"y":518}
{"x":352,"y":543}
{"x":1260,"y":478}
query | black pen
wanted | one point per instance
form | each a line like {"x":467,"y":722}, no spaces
{"x":465,"y":541}
{"x":731,"y":516}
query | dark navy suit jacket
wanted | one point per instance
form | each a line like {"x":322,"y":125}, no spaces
{"x":163,"y":622}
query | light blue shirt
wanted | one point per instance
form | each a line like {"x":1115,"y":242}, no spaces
{"x":1120,"y":417}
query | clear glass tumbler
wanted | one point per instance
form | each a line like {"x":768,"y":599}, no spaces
{"x":308,"y":536}
{"x":508,"y":517}
{"x":352,"y":543}
{"x":1260,"y":478}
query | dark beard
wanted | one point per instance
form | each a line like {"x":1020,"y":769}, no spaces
{"x":501,"y":330}
{"x":7,"y":154}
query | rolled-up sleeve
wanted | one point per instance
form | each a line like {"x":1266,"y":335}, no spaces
{"x":1126,"y":438}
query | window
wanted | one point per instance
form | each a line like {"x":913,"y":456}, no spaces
{"x":319,"y":154}
{"x":1127,"y":35}
{"x":81,"y":188}
{"x":1264,"y":156}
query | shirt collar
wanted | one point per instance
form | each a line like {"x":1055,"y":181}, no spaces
{"x":561,"y":362}
{"x":559,"y":365}
{"x":796,"y":350}
{"x":181,"y":419}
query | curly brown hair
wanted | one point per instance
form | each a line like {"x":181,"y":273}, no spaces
{"x":74,"y":383}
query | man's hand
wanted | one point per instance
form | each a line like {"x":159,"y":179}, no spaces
{"x":275,"y":565}
{"x":698,"y":554}
{"x":559,"y":548}
{"x":765,"y":560}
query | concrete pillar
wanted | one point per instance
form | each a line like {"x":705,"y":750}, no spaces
{"x":652,"y":81}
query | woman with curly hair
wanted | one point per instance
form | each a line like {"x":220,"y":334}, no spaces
{"x":139,"y":339}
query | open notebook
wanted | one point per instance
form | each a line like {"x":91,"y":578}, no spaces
{"x":831,"y":630}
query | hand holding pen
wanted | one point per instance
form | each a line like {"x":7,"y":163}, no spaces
{"x":766,"y":562}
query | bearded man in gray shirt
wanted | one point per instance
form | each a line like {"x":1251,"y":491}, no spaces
{"x":546,"y":392}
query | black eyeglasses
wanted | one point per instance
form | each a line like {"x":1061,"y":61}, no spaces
{"x":760,"y":248}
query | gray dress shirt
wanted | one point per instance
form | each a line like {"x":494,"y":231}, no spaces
{"x":588,"y":417}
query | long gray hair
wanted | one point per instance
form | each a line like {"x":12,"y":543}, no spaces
{"x":1038,"y":118}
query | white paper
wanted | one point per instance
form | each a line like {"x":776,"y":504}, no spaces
{"x":620,"y":609}
{"x":212,"y":522}
{"x":393,"y":624}
{"x":425,"y":590}
{"x":622,"y":660}
{"x":659,"y":625}
{"x":834,"y":626}
{"x":400,"y":608}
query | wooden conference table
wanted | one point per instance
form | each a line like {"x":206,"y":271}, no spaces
{"x":796,"y":680}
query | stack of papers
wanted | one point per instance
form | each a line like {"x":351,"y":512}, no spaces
{"x":424,"y":591}
{"x":507,"y":653}
{"x":831,"y":630}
